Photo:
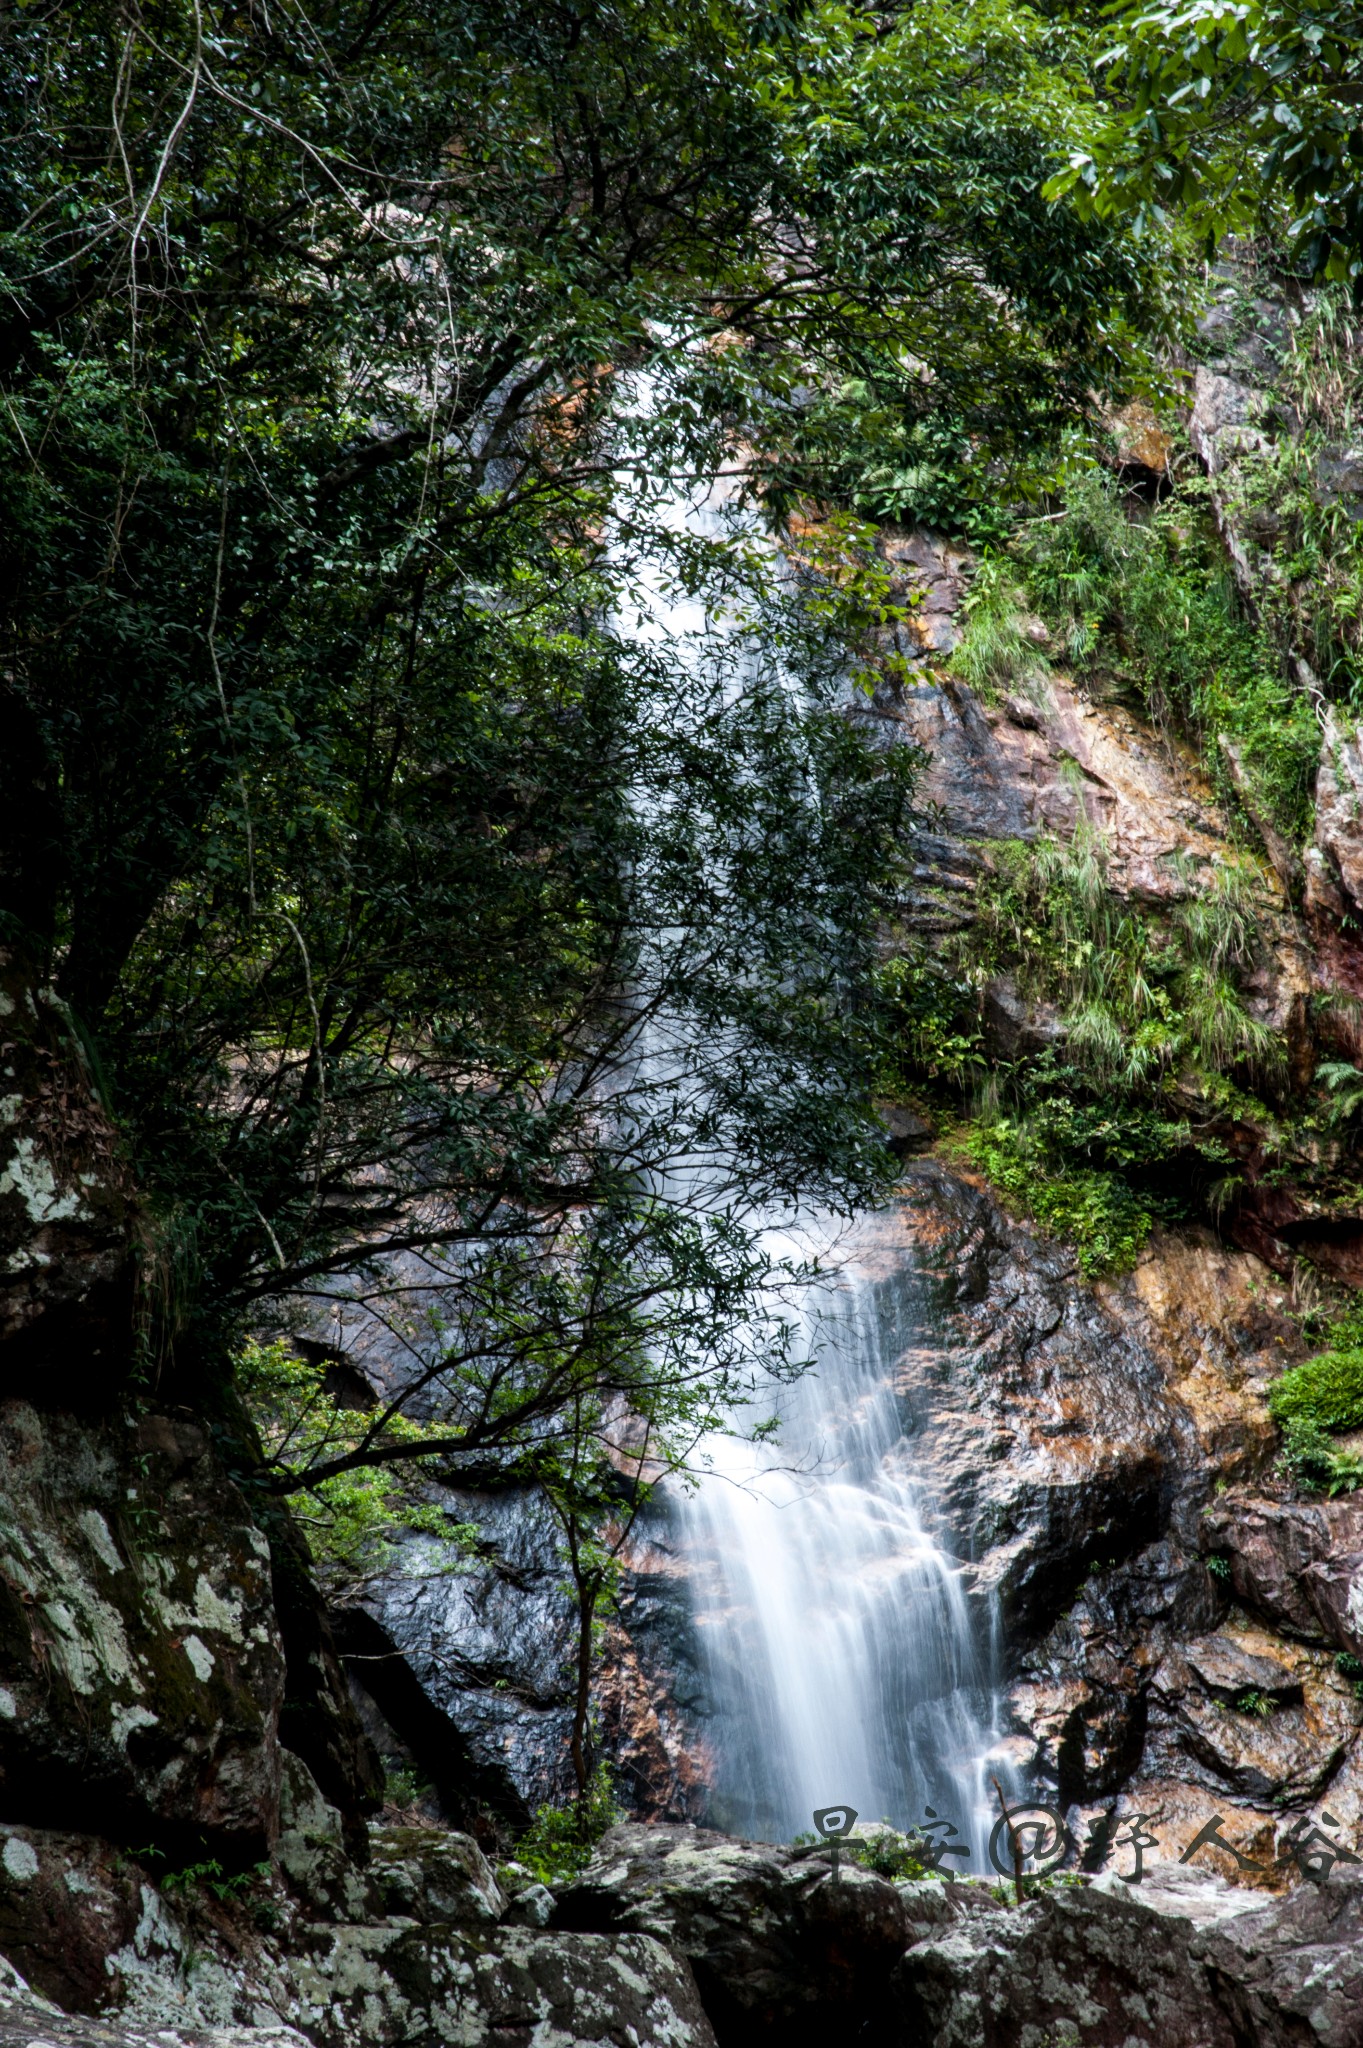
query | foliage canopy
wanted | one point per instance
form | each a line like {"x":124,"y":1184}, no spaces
{"x":443,"y":915}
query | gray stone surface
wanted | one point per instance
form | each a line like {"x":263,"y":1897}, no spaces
{"x":392,"y":1985}
{"x":141,"y":1668}
{"x":1176,"y":1964}
{"x":430,"y":1875}
{"x":781,"y":1951}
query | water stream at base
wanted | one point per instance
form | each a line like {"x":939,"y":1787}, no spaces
{"x":843,"y":1659}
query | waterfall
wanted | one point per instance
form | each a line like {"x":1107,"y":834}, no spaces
{"x":844,"y":1661}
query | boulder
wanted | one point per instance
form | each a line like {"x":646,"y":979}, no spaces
{"x":781,"y":1950}
{"x":27,"y":2020}
{"x":1175,"y":1962}
{"x":1294,"y":1970}
{"x":385,"y":1986}
{"x":469,"y":1659}
{"x":1248,"y":1714}
{"x":313,"y":1853}
{"x":1335,"y":1588}
{"x":430,"y":1875}
{"x":318,"y":1719}
{"x":94,"y":1932}
{"x":1298,"y":1564}
{"x":141,"y":1670}
{"x":67,"y":1904}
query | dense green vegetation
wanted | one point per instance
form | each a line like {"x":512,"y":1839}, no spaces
{"x":1161,"y":1057}
{"x":1126,"y":1117}
{"x":457,"y":860}
{"x":351,"y":367}
{"x":558,"y":1844}
{"x":1234,"y":114}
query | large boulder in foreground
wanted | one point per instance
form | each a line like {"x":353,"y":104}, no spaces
{"x":686,"y":1939}
{"x":386,"y":1987}
{"x":780,"y":1950}
{"x":1176,"y":1962}
{"x":783,"y":1952}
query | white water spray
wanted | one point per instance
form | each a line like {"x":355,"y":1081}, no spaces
{"x":844,"y":1660}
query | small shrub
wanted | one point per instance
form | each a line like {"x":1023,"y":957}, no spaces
{"x":403,"y":1786}
{"x":891,"y":1855}
{"x":1095,"y":1211}
{"x":1315,"y":1462}
{"x":1326,"y":1391}
{"x":559,"y":1841}
{"x":934,"y":1024}
{"x":211,"y":1877}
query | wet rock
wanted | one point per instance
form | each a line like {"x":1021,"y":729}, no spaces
{"x":381,"y":1986}
{"x":1271,"y":1547}
{"x":1335,"y":1584}
{"x":1247,"y":1713}
{"x":1082,"y":1696}
{"x":489,"y":1644}
{"x":1048,"y":760}
{"x":931,"y":573}
{"x":651,"y":1695}
{"x":781,"y":1951}
{"x":141,"y":1671}
{"x":1226,"y":1668}
{"x":1058,"y":1431}
{"x":408,"y":1728}
{"x":471,"y":1663}
{"x":907,"y":1132}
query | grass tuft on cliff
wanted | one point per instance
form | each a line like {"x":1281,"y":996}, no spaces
{"x":1317,"y":1401}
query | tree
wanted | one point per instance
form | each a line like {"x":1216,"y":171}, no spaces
{"x":412,"y":903}
{"x":1220,"y":110}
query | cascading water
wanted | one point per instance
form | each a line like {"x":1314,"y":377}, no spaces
{"x":844,"y":1661}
